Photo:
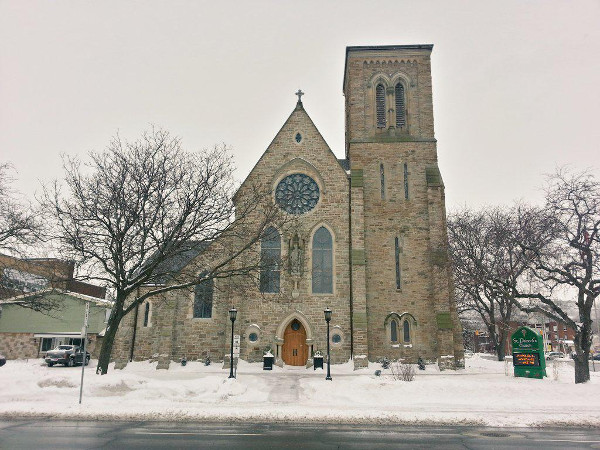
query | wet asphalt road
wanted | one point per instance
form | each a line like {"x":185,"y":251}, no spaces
{"x":47,"y":434}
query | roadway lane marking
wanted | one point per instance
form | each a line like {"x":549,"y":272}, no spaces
{"x":184,"y":433}
{"x":566,"y":440}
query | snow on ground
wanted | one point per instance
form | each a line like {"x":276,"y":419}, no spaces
{"x":481,"y":394}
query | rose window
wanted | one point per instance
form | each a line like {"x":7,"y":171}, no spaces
{"x":297,"y":193}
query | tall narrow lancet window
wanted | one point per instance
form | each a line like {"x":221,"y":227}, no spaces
{"x":393,"y":331}
{"x":400,"y":106}
{"x":406,"y":181}
{"x":380,"y":105}
{"x":270,"y":256}
{"x":406,"y":331}
{"x":203,"y":299}
{"x":397,"y":258}
{"x":382,"y":177}
{"x":146,"y":314}
{"x":322,"y":262}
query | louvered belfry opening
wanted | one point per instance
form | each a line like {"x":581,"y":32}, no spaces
{"x":400,"y":106}
{"x":380,"y":105}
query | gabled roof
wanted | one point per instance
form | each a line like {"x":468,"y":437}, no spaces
{"x":298,"y":109}
{"x":172,"y":266}
{"x":88,"y":298}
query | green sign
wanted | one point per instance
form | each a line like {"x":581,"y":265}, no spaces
{"x":528,"y":353}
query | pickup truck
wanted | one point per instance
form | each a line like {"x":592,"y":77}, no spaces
{"x":69,"y":355}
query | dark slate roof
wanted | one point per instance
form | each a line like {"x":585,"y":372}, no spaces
{"x":174,"y":265}
{"x":345,"y":163}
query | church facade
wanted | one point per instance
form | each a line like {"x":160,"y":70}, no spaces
{"x":368,"y":240}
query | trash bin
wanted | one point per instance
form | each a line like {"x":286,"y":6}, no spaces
{"x":268,"y":362}
{"x":317,"y":362}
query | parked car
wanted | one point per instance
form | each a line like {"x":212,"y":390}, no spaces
{"x":69,"y":355}
{"x":596,"y":357}
{"x":554,"y":355}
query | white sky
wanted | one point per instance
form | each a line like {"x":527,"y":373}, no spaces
{"x":515,"y":83}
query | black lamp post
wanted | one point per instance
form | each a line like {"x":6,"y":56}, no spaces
{"x":328,"y":319}
{"x":232,"y":316}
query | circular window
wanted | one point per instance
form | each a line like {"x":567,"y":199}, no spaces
{"x":253,"y":337}
{"x":297,"y":193}
{"x":295,"y":325}
{"x":298,"y":137}
{"x":336,"y":338}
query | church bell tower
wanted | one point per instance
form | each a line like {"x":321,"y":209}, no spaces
{"x":402,"y":296}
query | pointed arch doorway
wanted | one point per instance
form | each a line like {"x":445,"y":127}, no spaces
{"x":294,"y":351}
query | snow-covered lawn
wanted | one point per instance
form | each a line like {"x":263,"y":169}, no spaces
{"x":481,"y":394}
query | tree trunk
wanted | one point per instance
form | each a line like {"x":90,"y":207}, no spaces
{"x":107,"y":343}
{"x":501,"y":350}
{"x":583,"y":342}
{"x":582,"y":368}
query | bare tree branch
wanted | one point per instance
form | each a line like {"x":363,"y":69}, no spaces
{"x":132,"y":210}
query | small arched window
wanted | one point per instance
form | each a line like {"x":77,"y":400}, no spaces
{"x":203,"y":299}
{"x":322,"y":262}
{"x":380,"y":105}
{"x":393,"y":331}
{"x":397,"y":250}
{"x":382,"y":179}
{"x":146,"y":314}
{"x":400,"y":106}
{"x":270,"y":256}
{"x":406,"y":331}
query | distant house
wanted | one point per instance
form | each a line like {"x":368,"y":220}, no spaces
{"x":27,"y":333}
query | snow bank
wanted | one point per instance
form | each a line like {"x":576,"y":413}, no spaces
{"x":481,"y":394}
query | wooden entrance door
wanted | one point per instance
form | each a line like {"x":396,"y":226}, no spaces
{"x":294,"y":351}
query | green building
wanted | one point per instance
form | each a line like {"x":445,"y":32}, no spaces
{"x":25,"y":333}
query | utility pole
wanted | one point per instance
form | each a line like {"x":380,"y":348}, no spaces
{"x":84,"y":336}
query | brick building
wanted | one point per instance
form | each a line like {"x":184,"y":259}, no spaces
{"x":558,"y":337}
{"x":368,"y":241}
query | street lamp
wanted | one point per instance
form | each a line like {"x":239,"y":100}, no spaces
{"x":232,"y":316}
{"x":328,"y":319}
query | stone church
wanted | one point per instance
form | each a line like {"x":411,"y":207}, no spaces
{"x":369,"y":242}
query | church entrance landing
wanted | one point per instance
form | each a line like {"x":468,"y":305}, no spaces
{"x":294,"y":351}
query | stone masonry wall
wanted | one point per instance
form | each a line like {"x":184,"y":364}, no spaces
{"x":172,"y":332}
{"x":418,"y":222}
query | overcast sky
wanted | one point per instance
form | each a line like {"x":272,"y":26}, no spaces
{"x":515,"y":83}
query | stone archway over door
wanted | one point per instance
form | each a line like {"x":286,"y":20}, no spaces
{"x":294,"y":351}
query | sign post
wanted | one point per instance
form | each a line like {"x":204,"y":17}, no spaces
{"x":84,"y":336}
{"x":236,"y":349}
{"x":528,"y":353}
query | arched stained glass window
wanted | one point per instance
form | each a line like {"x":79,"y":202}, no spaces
{"x":270,"y":256}
{"x":203,"y":299}
{"x":322,"y":262}
{"x":393,"y":331}
{"x":400,"y":106}
{"x":380,"y":105}
{"x":406,"y":331}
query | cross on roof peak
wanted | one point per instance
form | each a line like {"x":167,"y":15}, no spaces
{"x":299,"y":94}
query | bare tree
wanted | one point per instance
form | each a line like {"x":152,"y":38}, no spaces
{"x":18,"y":221}
{"x":568,"y":264}
{"x":23,"y":280}
{"x":137,"y":206}
{"x":488,"y":265}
